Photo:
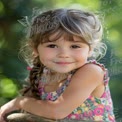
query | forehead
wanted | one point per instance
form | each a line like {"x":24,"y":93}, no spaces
{"x":63,"y":35}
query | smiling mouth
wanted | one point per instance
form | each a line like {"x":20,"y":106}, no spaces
{"x":63,"y":63}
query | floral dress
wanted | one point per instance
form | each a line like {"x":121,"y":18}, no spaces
{"x":93,"y":108}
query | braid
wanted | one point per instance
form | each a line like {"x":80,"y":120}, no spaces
{"x":35,"y":74}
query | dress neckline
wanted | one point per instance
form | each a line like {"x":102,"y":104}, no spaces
{"x":66,"y":82}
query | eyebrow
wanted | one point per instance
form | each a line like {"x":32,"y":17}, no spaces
{"x":73,"y":41}
{"x":79,"y":41}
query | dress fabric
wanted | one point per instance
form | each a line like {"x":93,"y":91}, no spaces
{"x":93,"y":108}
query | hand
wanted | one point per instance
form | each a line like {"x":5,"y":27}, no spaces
{"x":8,"y":107}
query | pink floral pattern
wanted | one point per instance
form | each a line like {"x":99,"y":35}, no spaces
{"x":93,"y":109}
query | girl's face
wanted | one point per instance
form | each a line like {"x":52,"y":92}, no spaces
{"x":63,"y":56}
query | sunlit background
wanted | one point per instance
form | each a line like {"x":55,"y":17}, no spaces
{"x":13,"y":68}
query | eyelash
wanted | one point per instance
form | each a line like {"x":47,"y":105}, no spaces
{"x":75,"y":46}
{"x":53,"y":46}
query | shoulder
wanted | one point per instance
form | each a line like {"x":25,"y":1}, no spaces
{"x":90,"y":72}
{"x":93,"y":68}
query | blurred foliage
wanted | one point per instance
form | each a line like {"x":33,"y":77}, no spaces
{"x":13,"y":68}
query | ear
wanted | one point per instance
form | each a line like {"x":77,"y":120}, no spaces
{"x":35,"y":52}
{"x":90,"y":52}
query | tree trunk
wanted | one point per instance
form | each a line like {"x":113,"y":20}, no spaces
{"x":26,"y":117}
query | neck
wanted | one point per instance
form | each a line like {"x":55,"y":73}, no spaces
{"x":52,"y":77}
{"x":57,"y":77}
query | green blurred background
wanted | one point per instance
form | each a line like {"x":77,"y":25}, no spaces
{"x":13,"y":68}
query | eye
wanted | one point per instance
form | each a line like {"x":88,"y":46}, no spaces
{"x":52,"y":46}
{"x":75,"y":46}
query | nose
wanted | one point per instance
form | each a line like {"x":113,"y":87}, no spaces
{"x":63,"y":53}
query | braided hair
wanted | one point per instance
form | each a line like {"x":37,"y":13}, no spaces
{"x":35,"y":73}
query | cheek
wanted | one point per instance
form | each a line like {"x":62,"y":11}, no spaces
{"x":81,"y":55}
{"x":45,"y":56}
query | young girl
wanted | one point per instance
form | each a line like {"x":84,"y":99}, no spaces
{"x":64,"y":82}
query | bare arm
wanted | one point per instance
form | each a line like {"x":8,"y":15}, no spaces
{"x":82,"y":84}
